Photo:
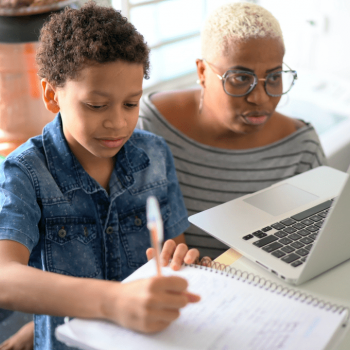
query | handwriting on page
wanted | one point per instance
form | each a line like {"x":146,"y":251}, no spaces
{"x":231,"y":315}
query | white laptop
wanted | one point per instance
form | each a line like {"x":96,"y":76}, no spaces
{"x":297,"y":228}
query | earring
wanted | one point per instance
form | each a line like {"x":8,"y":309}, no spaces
{"x":201,"y":82}
{"x":201,"y":101}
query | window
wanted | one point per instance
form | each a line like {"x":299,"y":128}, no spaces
{"x":172,"y":31}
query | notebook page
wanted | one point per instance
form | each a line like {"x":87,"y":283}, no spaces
{"x":231,"y":315}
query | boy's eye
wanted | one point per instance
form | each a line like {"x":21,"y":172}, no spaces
{"x":131,"y":105}
{"x":96,"y":106}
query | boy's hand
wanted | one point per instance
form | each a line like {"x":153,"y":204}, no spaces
{"x":178,"y":253}
{"x":148,"y":305}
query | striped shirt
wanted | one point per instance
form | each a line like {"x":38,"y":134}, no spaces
{"x":210,"y":176}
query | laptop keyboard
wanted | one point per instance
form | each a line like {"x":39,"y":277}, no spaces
{"x":291,"y":239}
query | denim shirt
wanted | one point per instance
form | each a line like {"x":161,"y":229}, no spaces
{"x":71,"y":225}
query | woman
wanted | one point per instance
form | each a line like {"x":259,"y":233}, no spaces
{"x":226,"y":137}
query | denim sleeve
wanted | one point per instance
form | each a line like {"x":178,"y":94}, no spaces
{"x":19,"y":210}
{"x":178,"y":220}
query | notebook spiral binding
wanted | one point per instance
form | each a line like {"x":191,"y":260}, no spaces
{"x":261,"y":282}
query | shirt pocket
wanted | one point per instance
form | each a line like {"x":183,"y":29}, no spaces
{"x":71,"y":246}
{"x":135,"y":235}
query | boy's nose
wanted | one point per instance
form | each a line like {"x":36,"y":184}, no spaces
{"x":115,"y":121}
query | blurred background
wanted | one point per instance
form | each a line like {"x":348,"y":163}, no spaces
{"x":317,"y":47}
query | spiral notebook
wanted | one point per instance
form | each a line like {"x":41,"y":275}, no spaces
{"x":237,"y":311}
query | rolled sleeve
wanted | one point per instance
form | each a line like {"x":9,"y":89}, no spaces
{"x":178,"y":220}
{"x":19,"y":210}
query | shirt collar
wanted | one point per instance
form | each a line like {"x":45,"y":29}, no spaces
{"x":68,"y":172}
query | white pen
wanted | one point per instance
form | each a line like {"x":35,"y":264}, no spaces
{"x":155,"y":226}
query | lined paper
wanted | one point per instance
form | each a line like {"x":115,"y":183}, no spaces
{"x":232,"y":314}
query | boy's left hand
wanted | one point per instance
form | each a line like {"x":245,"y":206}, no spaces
{"x":178,"y":253}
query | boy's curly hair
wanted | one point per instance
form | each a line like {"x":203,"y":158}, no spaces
{"x":73,"y":37}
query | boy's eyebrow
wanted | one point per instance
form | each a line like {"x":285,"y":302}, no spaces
{"x":136,"y":93}
{"x":96,"y":92}
{"x":105,"y":94}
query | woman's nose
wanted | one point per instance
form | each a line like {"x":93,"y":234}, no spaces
{"x":258,"y":96}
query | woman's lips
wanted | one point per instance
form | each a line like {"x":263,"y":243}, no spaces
{"x":112,"y":143}
{"x":256,"y":120}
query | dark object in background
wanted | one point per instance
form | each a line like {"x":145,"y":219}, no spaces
{"x":23,"y":24}
{"x":22,"y":29}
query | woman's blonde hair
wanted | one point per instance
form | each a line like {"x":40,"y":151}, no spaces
{"x":236,"y":21}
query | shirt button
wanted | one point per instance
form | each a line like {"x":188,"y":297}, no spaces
{"x":62,"y":233}
{"x":109,"y":230}
{"x":86,"y":232}
{"x":138,"y":221}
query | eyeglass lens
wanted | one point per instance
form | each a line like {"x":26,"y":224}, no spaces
{"x":240,"y":83}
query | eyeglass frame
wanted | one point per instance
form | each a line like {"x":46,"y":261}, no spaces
{"x":256,"y":79}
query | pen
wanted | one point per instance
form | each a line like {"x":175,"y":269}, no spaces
{"x":155,"y":226}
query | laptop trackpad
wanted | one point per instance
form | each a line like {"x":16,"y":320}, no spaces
{"x":280,"y":199}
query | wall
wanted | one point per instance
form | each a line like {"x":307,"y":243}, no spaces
{"x":315,"y":33}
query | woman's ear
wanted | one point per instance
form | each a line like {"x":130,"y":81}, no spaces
{"x":201,"y":72}
{"x":50,"y":96}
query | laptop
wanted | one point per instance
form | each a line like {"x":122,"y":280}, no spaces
{"x":297,"y":228}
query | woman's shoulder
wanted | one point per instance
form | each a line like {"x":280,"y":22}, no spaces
{"x":175,"y":106}
{"x":284,"y":126}
{"x":292,"y":130}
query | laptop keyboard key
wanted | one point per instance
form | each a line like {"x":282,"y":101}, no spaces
{"x":294,"y":236}
{"x":307,"y":222}
{"x":290,"y":258}
{"x":312,"y":228}
{"x":308,"y":247}
{"x":248,"y":237}
{"x":297,"y":245}
{"x":323,"y":214}
{"x":313,"y":236}
{"x":288,"y":249}
{"x":271,"y":247}
{"x":303,"y":232}
{"x":296,"y":263}
{"x":259,"y":234}
{"x":281,"y":234}
{"x":285,"y":241}
{"x":306,"y":240}
{"x":302,"y":252}
{"x":298,"y":226}
{"x":319,"y":224}
{"x":265,"y":241}
{"x":278,"y":226}
{"x":267,"y":228}
{"x":289,"y":230}
{"x":316,"y":218}
{"x":312,"y":211}
{"x":288,"y":222}
{"x":278,"y":254}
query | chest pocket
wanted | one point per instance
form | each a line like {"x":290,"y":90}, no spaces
{"x":71,"y":246}
{"x":135,"y":235}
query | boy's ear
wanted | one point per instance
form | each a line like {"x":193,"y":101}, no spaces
{"x":50,"y":96}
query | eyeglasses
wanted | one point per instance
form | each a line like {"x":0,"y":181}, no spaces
{"x":238,"y":83}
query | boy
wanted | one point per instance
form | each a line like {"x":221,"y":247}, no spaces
{"x":72,"y":200}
